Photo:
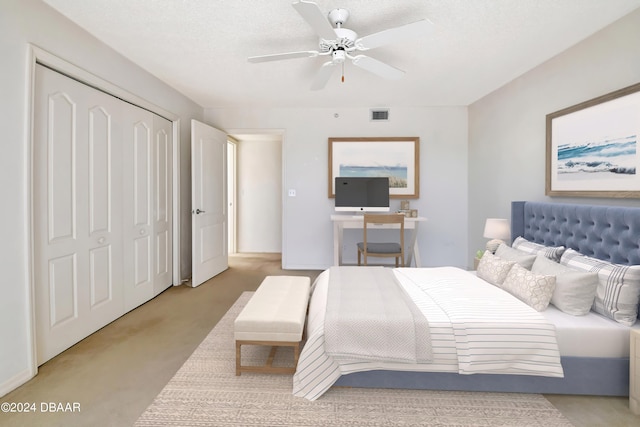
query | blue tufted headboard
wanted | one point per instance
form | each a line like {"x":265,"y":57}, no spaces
{"x":608,"y":233}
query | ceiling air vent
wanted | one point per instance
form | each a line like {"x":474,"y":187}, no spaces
{"x":380,"y":115}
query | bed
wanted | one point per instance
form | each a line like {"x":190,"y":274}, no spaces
{"x":593,"y":349}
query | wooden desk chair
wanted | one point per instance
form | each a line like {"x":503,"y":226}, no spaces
{"x":385,"y":249}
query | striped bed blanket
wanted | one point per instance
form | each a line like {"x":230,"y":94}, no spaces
{"x":474,"y":327}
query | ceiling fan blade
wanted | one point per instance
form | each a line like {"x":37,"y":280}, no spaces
{"x":315,"y":18}
{"x":323,"y":75}
{"x":378,"y":67}
{"x":393,"y":35}
{"x":280,"y":56}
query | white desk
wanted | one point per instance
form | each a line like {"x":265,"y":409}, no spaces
{"x":340,"y":222}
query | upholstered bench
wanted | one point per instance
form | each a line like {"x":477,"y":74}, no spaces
{"x":274,"y":316}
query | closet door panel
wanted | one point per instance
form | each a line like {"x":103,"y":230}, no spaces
{"x":101,"y":266}
{"x":138,"y":206}
{"x":104,"y":206}
{"x":141,"y":204}
{"x":57,"y":162}
{"x":163,"y":160}
{"x":63,"y":288}
{"x":99,"y":170}
{"x":141,"y":146}
{"x":73,"y":212}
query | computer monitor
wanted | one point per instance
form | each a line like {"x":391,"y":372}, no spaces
{"x":362,"y":194}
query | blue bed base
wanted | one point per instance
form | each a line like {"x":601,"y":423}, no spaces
{"x":582,"y":375}
{"x":607,"y":233}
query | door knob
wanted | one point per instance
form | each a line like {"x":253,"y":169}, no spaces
{"x":198,"y":211}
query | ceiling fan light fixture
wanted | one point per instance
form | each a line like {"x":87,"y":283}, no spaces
{"x":338,"y":56}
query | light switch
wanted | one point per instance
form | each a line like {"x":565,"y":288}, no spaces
{"x":292,"y":193}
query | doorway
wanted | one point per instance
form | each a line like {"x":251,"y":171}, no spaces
{"x":258,"y":191}
{"x":231,"y":193}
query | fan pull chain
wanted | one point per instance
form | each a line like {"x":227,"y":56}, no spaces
{"x":343,"y":72}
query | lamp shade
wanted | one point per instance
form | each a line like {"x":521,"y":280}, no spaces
{"x":497,"y":228}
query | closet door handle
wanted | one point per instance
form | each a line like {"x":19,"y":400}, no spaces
{"x":198,"y":211}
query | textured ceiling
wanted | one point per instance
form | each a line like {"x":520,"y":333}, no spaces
{"x":200,"y":47}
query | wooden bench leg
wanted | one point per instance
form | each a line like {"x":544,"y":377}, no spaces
{"x":272,"y":354}
{"x":296,"y":355}
{"x":238,"y":357}
{"x":268,"y":367}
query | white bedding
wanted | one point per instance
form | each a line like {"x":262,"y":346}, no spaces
{"x":591,"y":335}
{"x":441,"y":300}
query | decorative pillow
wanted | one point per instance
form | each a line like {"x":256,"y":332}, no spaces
{"x":618,"y":290}
{"x":534,"y":289}
{"x":575,"y":290}
{"x":552,"y":252}
{"x":523,"y":258}
{"x":493,"y":269}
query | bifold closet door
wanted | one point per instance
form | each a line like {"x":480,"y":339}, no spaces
{"x":77,"y":211}
{"x":148,"y":233}
{"x":163,"y":204}
{"x":102,"y":209}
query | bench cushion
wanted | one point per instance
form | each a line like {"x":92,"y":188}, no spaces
{"x":276,"y":312}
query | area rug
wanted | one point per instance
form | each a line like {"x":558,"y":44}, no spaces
{"x":206,"y":392}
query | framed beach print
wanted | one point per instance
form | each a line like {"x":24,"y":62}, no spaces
{"x":395,"y":157}
{"x":592,"y":147}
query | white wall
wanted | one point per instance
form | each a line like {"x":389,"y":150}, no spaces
{"x":307,"y":229}
{"x":507,"y":127}
{"x":30,"y":21}
{"x":259,"y":188}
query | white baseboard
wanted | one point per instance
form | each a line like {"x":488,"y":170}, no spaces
{"x":16,"y":381}
{"x":305,"y":267}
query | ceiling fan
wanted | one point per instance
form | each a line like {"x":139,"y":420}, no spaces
{"x":340,"y":43}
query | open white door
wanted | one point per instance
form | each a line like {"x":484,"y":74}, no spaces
{"x":208,"y":202}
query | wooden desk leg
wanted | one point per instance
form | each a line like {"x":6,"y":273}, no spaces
{"x":413,"y":248}
{"x":416,"y":252}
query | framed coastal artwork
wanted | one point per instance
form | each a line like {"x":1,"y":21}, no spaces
{"x":395,"y":157}
{"x":592,"y":147}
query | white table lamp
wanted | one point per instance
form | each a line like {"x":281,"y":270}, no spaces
{"x":498,"y":230}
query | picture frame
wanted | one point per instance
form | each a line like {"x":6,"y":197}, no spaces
{"x":592,"y":147}
{"x":395,"y":157}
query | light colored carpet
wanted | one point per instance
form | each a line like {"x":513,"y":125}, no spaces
{"x":206,"y":392}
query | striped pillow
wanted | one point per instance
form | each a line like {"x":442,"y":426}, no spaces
{"x":552,"y":252}
{"x":618,"y":291}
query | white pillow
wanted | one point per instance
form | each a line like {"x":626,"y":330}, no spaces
{"x":575,"y":290}
{"x":552,"y":252}
{"x":618,"y":289}
{"x":523,"y":258}
{"x":534,"y":289}
{"x":493,"y":269}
